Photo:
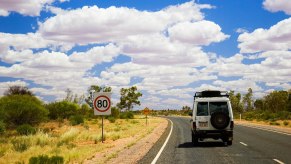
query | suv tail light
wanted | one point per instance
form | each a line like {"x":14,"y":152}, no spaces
{"x":231,"y":124}
{"x":194,"y":125}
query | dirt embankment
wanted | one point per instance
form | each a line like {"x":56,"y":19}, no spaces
{"x":129,"y":150}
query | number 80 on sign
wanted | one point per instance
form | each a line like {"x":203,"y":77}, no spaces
{"x":102,"y":103}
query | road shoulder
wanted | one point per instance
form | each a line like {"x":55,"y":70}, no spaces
{"x":266,"y":127}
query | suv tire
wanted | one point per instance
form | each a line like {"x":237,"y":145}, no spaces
{"x":219,"y":120}
{"x":194,"y":139}
{"x":229,"y":143}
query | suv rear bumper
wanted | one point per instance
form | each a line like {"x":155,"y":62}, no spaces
{"x":223,"y":134}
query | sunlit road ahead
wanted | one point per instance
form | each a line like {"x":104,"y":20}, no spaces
{"x":249,"y":146}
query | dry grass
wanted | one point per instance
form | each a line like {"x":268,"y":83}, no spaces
{"x":74,"y":143}
{"x":279,"y":123}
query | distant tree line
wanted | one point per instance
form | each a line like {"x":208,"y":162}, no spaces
{"x":19,"y":107}
{"x":273,"y":106}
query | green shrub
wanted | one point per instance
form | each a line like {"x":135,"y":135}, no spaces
{"x":44,"y":159}
{"x":76,"y":120}
{"x":115,"y":112}
{"x":57,"y":160}
{"x":61,"y":110}
{"x":111,"y":119}
{"x":286,"y":123}
{"x":134,"y":122}
{"x":85,"y":110}
{"x":25,"y":129}
{"x":22,"y":109}
{"x":126,"y":115}
{"x":2,"y":127}
{"x":274,"y":123}
{"x":21,"y":144}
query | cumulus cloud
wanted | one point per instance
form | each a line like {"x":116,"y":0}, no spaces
{"x":240,"y":85}
{"x":197,"y":33}
{"x":277,"y":37}
{"x":24,"y":7}
{"x":99,"y":25}
{"x":159,"y":50}
{"x":160,"y":77}
{"x":57,"y":69}
{"x":31,"y":41}
{"x":278,"y":5}
{"x":227,"y":67}
{"x":241,"y":30}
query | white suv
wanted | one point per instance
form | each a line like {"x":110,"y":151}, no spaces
{"x":212,"y":117}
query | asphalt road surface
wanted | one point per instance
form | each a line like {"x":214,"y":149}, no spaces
{"x":250,"y":145}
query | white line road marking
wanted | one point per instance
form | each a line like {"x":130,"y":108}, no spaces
{"x":256,"y":127}
{"x":280,"y":162}
{"x":164,"y":145}
{"x":243,"y":144}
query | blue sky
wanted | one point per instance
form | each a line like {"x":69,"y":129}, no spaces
{"x":168,"y":48}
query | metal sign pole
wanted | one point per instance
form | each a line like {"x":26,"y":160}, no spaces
{"x":102,"y":130}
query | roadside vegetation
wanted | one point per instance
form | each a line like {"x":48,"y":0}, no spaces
{"x":272,"y":109}
{"x":64,"y":131}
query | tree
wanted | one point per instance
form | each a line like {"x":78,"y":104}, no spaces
{"x":61,"y":110}
{"x":259,"y":104}
{"x":185,"y":110}
{"x":128,"y":98}
{"x":277,"y":101}
{"x":248,"y":100}
{"x":22,"y":109}
{"x":18,"y":90}
{"x":95,"y":88}
{"x":69,"y":95}
{"x":235,"y":101}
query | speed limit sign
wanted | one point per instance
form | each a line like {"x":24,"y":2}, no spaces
{"x":102,"y":103}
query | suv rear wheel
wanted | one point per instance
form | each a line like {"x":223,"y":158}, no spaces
{"x":219,"y":120}
{"x":194,"y":139}
{"x":229,"y":142}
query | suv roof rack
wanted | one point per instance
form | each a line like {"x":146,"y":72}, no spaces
{"x":211,"y":94}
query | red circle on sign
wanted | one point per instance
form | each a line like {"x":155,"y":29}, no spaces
{"x":100,"y":109}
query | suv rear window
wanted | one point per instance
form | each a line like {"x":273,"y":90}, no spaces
{"x":218,"y":107}
{"x":202,"y":109}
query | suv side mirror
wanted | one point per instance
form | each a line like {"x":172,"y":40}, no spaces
{"x":190,"y":113}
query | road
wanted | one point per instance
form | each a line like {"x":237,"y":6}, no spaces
{"x":250,"y":145}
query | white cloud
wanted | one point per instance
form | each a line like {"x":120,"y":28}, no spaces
{"x":96,"y":55}
{"x":58,"y":70}
{"x":197,"y":33}
{"x":24,"y":7}
{"x":11,"y":56}
{"x":241,"y":30}
{"x":278,"y":5}
{"x":159,"y":50}
{"x":173,"y":103}
{"x":185,"y":93}
{"x":99,"y":25}
{"x":278,"y":37}
{"x":227,"y":67}
{"x":160,"y":77}
{"x":204,"y":87}
{"x":240,"y":85}
{"x":4,"y":13}
{"x":31,"y":41}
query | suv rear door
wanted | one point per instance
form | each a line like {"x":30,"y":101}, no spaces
{"x":202,"y":115}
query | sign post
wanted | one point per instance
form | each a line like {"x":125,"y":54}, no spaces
{"x":146,"y":111}
{"x":102,"y":106}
